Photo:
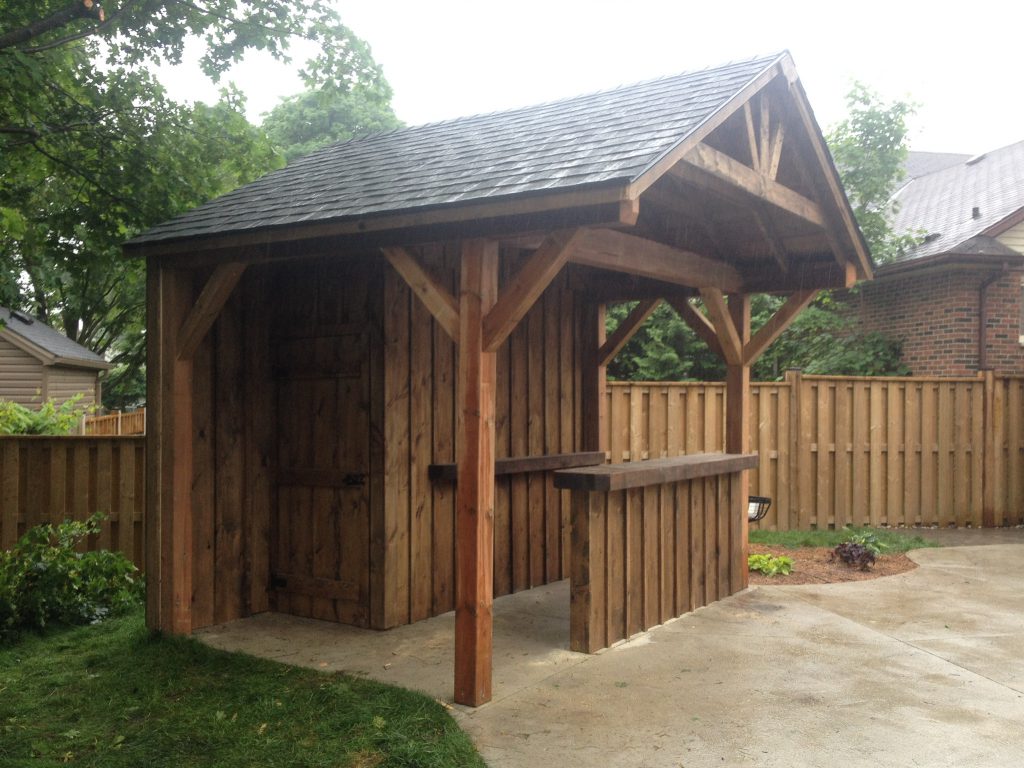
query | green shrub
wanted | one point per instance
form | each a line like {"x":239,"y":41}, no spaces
{"x":44,"y":581}
{"x":50,"y":419}
{"x":770,"y":565}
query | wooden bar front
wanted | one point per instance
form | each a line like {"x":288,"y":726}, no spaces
{"x":652,"y":540}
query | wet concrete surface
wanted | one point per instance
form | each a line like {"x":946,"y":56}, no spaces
{"x":925,"y":668}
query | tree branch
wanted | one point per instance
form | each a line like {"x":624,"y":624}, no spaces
{"x":78,"y":9}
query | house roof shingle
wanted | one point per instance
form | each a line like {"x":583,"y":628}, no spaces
{"x":942,"y":204}
{"x":42,"y":336}
{"x":601,"y":138}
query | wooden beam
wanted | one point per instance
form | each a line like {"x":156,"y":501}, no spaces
{"x":593,"y":405}
{"x":626,"y":330}
{"x":725,"y":330}
{"x":748,"y":116}
{"x":699,"y":323}
{"x":474,"y":498}
{"x":737,"y":438}
{"x":724,"y":167}
{"x":527,"y":286}
{"x":776,"y":324}
{"x":771,"y":170}
{"x":802,"y":275}
{"x":515,"y":465}
{"x":620,"y":252}
{"x":207,"y":307}
{"x":828,"y":174}
{"x":771,"y":236}
{"x":764,"y":132}
{"x":435,"y":297}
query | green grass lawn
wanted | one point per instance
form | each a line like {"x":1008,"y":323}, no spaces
{"x":890,"y":540}
{"x":111,"y":695}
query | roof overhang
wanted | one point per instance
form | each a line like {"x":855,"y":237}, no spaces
{"x":47,"y":358}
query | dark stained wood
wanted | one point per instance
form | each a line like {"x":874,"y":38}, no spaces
{"x":636,"y":474}
{"x":776,"y":324}
{"x":725,"y":329}
{"x":431,"y":292}
{"x":698,"y":323}
{"x":523,"y":464}
{"x":323,"y":589}
{"x":737,"y":431}
{"x":209,"y":304}
{"x":621,"y":252}
{"x":475,"y":496}
{"x":527,"y":286}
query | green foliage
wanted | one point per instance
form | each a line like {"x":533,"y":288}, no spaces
{"x":310,"y":120}
{"x":854,"y":554}
{"x":94,"y":151}
{"x":50,"y":419}
{"x":111,"y":695}
{"x":866,"y":538}
{"x":44,"y":580}
{"x":770,"y":565}
{"x":820,"y":341}
{"x":870,"y":149}
{"x":891,"y":540}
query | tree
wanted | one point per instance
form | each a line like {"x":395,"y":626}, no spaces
{"x":94,"y":151}
{"x":870,"y":150}
{"x":315,"y":118}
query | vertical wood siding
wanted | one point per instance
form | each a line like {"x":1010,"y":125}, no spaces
{"x":536,"y":402}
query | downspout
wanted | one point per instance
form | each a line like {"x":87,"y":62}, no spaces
{"x":983,"y":315}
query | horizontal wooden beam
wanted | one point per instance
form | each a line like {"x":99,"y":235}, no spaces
{"x":802,"y":275}
{"x":621,"y":252}
{"x":626,"y":330}
{"x":527,"y":286}
{"x":638,"y":474}
{"x":523,"y":465}
{"x":725,"y":329}
{"x":751,"y":182}
{"x":776,"y":324}
{"x":435,"y":297}
{"x":207,"y":307}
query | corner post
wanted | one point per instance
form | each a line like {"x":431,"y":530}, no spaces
{"x":474,"y":504}
{"x":737,"y":433}
{"x":595,"y":379}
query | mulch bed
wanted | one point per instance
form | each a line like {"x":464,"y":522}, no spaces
{"x":811,"y":565}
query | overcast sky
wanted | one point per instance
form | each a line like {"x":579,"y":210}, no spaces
{"x":960,"y":62}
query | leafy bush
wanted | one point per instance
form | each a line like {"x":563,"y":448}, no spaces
{"x":860,"y":549}
{"x":43,"y":580}
{"x":50,"y":419}
{"x":770,"y":565}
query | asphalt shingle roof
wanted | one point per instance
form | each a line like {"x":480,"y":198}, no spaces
{"x":605,"y":137}
{"x":45,"y":337}
{"x":941,"y":204}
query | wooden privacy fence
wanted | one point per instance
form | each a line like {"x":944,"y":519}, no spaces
{"x":116,"y":423}
{"x":50,"y":479}
{"x":850,"y":450}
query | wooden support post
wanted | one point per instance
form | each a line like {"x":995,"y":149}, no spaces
{"x":737,"y":427}
{"x":593,"y":338}
{"x":474,"y":545}
{"x":992,"y":450}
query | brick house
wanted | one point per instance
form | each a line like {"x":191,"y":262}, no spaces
{"x":957,"y":299}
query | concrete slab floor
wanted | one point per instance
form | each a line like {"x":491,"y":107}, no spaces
{"x":920,"y":669}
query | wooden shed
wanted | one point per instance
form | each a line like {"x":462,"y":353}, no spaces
{"x":38,"y":364}
{"x":376,"y":375}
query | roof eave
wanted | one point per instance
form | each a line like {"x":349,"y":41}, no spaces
{"x":946,"y":259}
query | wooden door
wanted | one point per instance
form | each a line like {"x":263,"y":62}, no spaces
{"x":320,"y":555}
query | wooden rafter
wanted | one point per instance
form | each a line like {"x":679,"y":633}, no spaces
{"x":207,"y":307}
{"x":698,"y":322}
{"x":725,"y":329}
{"x":435,"y":297}
{"x":755,"y":155}
{"x":626,"y":330}
{"x":722,"y":166}
{"x":527,"y":286}
{"x":775,"y":245}
{"x":777,"y":323}
{"x":619,"y":252}
{"x":771,"y":169}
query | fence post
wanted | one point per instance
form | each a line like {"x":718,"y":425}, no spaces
{"x":794,"y":378}
{"x":988,"y":509}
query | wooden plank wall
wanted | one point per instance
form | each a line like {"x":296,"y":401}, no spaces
{"x":847,"y":450}
{"x":643,"y":556}
{"x":537,"y":414}
{"x":51,"y":479}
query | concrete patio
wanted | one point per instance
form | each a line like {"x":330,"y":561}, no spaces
{"x":924,"y":668}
